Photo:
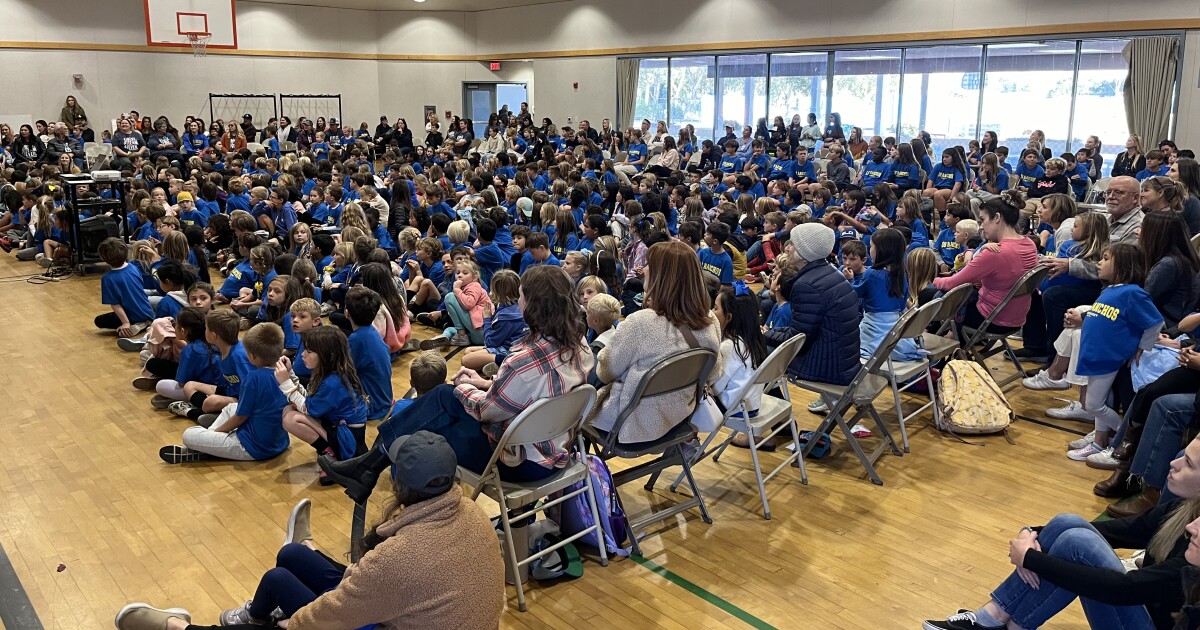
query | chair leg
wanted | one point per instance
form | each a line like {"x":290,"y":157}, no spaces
{"x":836,"y":418}
{"x":758,"y":476}
{"x":633,"y":543}
{"x":704,"y":451}
{"x":937,"y":409}
{"x":899,"y":408}
{"x":511,"y":551}
{"x":687,"y":470}
{"x":799,"y":451}
{"x":887,"y":435}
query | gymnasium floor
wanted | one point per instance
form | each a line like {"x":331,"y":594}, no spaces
{"x":91,"y":519}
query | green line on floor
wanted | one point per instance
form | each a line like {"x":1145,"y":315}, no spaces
{"x":698,"y":591}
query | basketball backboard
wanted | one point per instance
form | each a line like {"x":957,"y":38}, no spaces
{"x":168,"y":22}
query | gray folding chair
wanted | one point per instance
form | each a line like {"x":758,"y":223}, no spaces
{"x":937,"y":345}
{"x":681,"y":371}
{"x":774,"y":415}
{"x":907,"y":372}
{"x":546,"y":419}
{"x":981,"y":344}
{"x":860,"y":393}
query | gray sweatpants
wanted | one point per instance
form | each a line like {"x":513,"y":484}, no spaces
{"x":216,"y":443}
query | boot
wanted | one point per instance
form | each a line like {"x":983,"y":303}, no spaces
{"x":1119,"y":484}
{"x":1142,"y":502}
{"x":357,"y":475}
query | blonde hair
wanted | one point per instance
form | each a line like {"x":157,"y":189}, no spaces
{"x":970,"y":227}
{"x":921,"y":267}
{"x":1173,"y":528}
{"x":1095,"y":236}
{"x":346,"y":249}
{"x":577,"y":257}
{"x":1057,"y":164}
{"x":408,"y":237}
{"x":591,"y":282}
{"x":306,"y":305}
{"x":548,"y":213}
{"x":458,"y":232}
{"x":605,"y":307}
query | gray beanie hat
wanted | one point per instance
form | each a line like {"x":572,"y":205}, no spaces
{"x":813,"y":241}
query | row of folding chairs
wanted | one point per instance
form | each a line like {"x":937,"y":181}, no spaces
{"x":688,"y":370}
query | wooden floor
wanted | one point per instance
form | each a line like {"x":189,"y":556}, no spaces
{"x":81,"y":486}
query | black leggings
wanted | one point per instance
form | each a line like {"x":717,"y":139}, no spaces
{"x":162,"y":368}
{"x":108,"y":321}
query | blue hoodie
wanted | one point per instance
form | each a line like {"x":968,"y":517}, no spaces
{"x":502,"y":330}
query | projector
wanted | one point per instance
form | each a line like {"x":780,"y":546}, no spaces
{"x":106,"y":176}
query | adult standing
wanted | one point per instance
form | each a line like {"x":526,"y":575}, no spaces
{"x":1093,"y":145}
{"x":71,"y":111}
{"x":1124,"y":219}
{"x":833,"y":130}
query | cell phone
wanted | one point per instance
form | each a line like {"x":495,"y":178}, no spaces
{"x":1188,"y":343}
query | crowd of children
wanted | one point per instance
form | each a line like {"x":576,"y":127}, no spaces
{"x":269,"y":294}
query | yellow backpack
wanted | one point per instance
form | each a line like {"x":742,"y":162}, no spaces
{"x":970,"y":401}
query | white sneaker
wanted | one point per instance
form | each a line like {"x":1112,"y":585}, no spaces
{"x":1043,"y":381}
{"x":1081,"y":454}
{"x":1082,"y":442}
{"x":1103,"y":460}
{"x":1073,"y":411}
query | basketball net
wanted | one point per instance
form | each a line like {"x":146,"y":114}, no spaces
{"x":199,"y":42}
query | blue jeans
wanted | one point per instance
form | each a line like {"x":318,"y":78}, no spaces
{"x":1071,"y":538}
{"x":300,"y":576}
{"x":462,"y":320}
{"x":440,"y":412}
{"x":1170,"y":417}
{"x":1057,"y":300}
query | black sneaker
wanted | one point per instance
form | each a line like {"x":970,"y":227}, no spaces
{"x":180,"y":454}
{"x":1029,"y":353}
{"x":964,"y":620}
{"x":426,"y":319}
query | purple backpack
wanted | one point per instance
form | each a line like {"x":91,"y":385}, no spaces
{"x":575,"y":515}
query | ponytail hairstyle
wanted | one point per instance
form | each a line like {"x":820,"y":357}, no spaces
{"x":189,"y":324}
{"x":1173,"y":192}
{"x":306,"y":272}
{"x":743,"y":328}
{"x":45,"y":221}
{"x":889,"y":245}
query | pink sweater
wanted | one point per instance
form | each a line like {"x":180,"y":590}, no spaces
{"x":995,"y":273}
{"x":472,"y":298}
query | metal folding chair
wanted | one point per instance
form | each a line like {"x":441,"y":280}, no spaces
{"x":907,"y":372}
{"x":547,"y":419}
{"x":860,"y":393}
{"x":937,"y":345}
{"x":681,"y":371}
{"x":982,"y":344}
{"x":774,"y":416}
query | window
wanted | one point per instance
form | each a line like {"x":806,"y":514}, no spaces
{"x":652,"y":91}
{"x":1100,"y":98}
{"x":1028,"y":87}
{"x":693,"y":94}
{"x":798,"y":82}
{"x":742,"y":89}
{"x":941,"y":94}
{"x":866,"y":90}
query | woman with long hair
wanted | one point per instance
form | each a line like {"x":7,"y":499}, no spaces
{"x":473,"y":413}
{"x":1173,"y":281}
{"x":1186,"y":171}
{"x":677,"y":315}
{"x":1071,"y":558}
{"x":1132,"y":160}
{"x":833,"y":130}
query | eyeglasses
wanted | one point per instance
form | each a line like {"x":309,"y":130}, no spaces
{"x":1119,"y":193}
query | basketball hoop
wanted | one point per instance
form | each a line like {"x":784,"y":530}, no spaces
{"x":199,"y":42}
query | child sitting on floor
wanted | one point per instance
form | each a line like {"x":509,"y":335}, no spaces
{"x":503,"y":324}
{"x":250,"y":429}
{"x":465,"y":306}
{"x":198,"y":361}
{"x":331,"y":413}
{"x":121,"y":289}
{"x":368,"y":351}
{"x":202,"y":401}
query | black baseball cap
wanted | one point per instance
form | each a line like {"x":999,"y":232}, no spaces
{"x":247,"y":117}
{"x":424,"y":462}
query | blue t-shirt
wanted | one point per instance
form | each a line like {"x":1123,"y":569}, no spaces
{"x":635,"y":153}
{"x":1028,"y":176}
{"x":906,"y":176}
{"x":782,"y":169}
{"x":528,"y":261}
{"x":731,"y":164}
{"x":240,"y":277}
{"x":442,"y":208}
{"x":875,"y":172}
{"x":374,"y":366}
{"x":945,"y":177}
{"x":946,"y":246}
{"x":291,"y":338}
{"x":333,"y":402}
{"x":167,"y":307}
{"x":808,"y":169}
{"x":193,"y":217}
{"x":1113,"y":328}
{"x":719,"y":265}
{"x":298,"y":367}
{"x":199,"y":362}
{"x":235,"y":367}
{"x":920,"y":234}
{"x":872,"y":290}
{"x":124,"y":287}
{"x":781,"y":316}
{"x":261,"y":402}
{"x":1147,"y":173}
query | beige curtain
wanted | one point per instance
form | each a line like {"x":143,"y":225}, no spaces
{"x":1149,"y":86}
{"x":627,"y":85}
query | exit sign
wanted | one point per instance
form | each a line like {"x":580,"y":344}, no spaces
{"x":494,"y":66}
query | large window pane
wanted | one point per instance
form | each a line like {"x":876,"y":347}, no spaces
{"x":1100,"y":98}
{"x":651,"y":91}
{"x":743,"y":89}
{"x":941,"y":94}
{"x":866,"y":89}
{"x":798,"y":85}
{"x":1028,"y":87}
{"x":693,"y":92}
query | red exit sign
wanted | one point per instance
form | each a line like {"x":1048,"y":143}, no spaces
{"x":494,"y":66}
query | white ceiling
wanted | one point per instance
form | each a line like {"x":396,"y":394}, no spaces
{"x":411,"y":5}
